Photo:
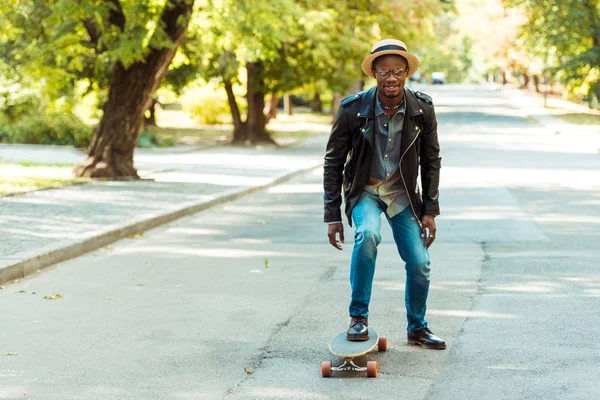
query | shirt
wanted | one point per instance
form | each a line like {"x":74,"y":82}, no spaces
{"x":385,"y":178}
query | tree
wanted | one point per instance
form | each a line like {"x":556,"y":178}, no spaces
{"x":123,"y":45}
{"x":569,"y":34}
{"x":132,"y":84}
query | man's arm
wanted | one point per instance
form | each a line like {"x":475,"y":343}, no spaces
{"x":430,"y":165}
{"x":338,"y":146}
{"x":430,"y":176}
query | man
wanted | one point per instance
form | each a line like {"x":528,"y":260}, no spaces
{"x":380,"y":139}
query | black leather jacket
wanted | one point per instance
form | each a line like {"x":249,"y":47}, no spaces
{"x":350,"y":154}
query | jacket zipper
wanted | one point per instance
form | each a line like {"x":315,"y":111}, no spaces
{"x":404,"y":183}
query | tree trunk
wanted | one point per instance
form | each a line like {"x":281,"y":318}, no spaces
{"x":504,"y":80}
{"x":240,"y":134}
{"x":129,"y":95}
{"x":287,"y":104}
{"x":525,"y":81}
{"x":150,"y":120}
{"x":256,"y":121}
{"x":271,"y":110}
{"x":536,"y":83}
{"x":316,"y":104}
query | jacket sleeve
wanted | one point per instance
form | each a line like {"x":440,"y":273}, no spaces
{"x":430,"y":165}
{"x":338,"y":146}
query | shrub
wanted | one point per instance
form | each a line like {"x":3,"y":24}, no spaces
{"x":59,"y":129}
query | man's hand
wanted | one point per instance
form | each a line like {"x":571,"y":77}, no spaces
{"x":428,"y":223}
{"x":332,"y":231}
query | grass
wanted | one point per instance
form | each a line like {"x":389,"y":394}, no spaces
{"x":27,"y":176}
{"x":21,"y":184}
{"x":284,"y":129}
{"x":580,"y":118}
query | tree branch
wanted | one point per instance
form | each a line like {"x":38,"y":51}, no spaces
{"x":116,"y":16}
{"x":92,"y":30}
{"x":175,"y":17}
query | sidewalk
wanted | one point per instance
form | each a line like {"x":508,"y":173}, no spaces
{"x":42,"y":228}
{"x":532,"y":106}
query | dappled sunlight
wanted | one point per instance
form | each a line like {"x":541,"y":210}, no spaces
{"x":469,"y":314}
{"x":531,"y":287}
{"x":209,"y":253}
{"x":511,"y":139}
{"x":493,"y":108}
{"x":250,"y":241}
{"x":298,"y":188}
{"x":11,"y":392}
{"x":387,"y":285}
{"x":283,"y":393}
{"x":566,"y":218}
{"x":243,"y":161}
{"x":195,"y":231}
{"x":213,"y":179}
{"x":512,"y":367}
{"x":540,"y":178}
{"x":485,"y":213}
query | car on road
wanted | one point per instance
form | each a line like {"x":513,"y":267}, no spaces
{"x":438,"y":78}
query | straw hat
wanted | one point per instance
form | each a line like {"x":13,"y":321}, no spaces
{"x":389,"y":46}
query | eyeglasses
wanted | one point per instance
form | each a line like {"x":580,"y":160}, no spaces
{"x":384,"y":73}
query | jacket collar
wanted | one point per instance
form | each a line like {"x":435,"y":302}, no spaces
{"x":366,"y":108}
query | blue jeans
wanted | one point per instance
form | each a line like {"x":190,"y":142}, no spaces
{"x":407,"y":235}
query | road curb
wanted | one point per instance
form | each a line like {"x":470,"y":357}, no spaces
{"x":23,"y":264}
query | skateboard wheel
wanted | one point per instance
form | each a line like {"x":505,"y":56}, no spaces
{"x":326,"y":371}
{"x":372,"y":369}
{"x":382,"y":344}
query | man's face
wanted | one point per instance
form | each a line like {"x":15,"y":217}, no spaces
{"x":391,"y":86}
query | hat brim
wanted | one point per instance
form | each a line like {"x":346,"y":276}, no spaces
{"x":411,"y":59}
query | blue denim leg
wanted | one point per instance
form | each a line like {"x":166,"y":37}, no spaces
{"x":411,"y":246}
{"x":366,"y":216}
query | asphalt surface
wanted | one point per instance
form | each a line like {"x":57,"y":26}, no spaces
{"x":239,"y":301}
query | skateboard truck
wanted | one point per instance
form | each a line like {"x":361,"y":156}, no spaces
{"x":349,"y":365}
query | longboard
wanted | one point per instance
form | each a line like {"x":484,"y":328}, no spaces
{"x":341,"y":347}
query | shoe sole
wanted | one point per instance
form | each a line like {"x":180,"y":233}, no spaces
{"x":427,"y":346}
{"x":357,"y":339}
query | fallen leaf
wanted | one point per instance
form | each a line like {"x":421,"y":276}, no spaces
{"x":262,"y":221}
{"x":136,"y":236}
{"x":1,"y":287}
{"x":266,"y":263}
{"x":140,"y":284}
{"x":53,"y":296}
{"x":109,"y":298}
{"x":247,"y":371}
{"x":22,"y":291}
{"x":15,"y":281}
{"x":33,"y":293}
{"x":11,"y":354}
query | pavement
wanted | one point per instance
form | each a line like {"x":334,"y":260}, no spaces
{"x":239,"y":301}
{"x":44,"y":227}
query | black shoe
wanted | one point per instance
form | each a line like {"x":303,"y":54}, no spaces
{"x":426,"y":339}
{"x":358,"y":330}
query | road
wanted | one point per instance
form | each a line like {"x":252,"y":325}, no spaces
{"x":240,"y":301}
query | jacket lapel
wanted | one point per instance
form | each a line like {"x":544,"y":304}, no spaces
{"x":412,"y":127}
{"x":366,"y":115}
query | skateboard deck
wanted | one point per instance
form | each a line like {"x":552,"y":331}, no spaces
{"x":341,"y":347}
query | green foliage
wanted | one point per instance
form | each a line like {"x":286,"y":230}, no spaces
{"x":59,"y":129}
{"x":209,"y":107}
{"x":566,"y":36}
{"x":14,"y":104}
